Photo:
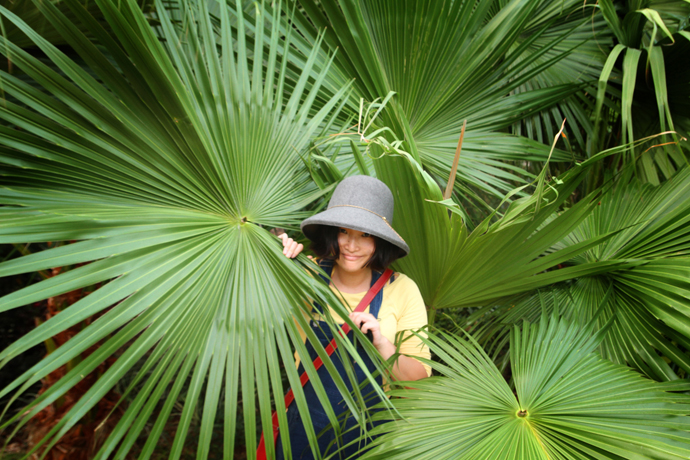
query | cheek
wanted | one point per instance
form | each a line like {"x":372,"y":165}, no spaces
{"x":371,"y":247}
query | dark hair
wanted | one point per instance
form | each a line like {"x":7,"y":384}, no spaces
{"x":325,"y":246}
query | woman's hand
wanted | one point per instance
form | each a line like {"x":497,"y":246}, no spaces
{"x":366,"y":322}
{"x":291,"y":248}
{"x":405,"y":368}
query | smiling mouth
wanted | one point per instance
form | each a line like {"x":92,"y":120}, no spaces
{"x":350,"y":257}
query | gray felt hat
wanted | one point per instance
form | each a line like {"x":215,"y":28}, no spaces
{"x":361,"y":203}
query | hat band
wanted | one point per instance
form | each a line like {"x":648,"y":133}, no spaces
{"x":368,"y":210}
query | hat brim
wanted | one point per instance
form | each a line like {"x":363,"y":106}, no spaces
{"x":356,"y":219}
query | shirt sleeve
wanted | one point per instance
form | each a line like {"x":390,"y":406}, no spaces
{"x":411,"y":316}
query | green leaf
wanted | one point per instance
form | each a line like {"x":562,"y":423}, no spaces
{"x":456,"y":268}
{"x":359,"y":159}
{"x":609,"y":11}
{"x":601,"y":90}
{"x":164,"y":159}
{"x":447,"y":62}
{"x":569,"y":403}
{"x":632,"y":56}
{"x":648,"y":298}
{"x":587,"y":38}
{"x":654,"y":17}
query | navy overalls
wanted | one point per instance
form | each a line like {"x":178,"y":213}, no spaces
{"x":299,"y":442}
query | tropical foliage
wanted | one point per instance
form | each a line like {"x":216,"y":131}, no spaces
{"x":172,"y":215}
{"x":161,"y":142}
{"x":643,"y":31}
{"x":443,"y":75}
{"x":568,"y":403}
{"x":644,"y":291}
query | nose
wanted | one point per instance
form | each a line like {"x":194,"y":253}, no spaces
{"x":350,"y":243}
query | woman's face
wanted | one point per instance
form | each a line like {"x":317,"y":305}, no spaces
{"x":356,"y":248}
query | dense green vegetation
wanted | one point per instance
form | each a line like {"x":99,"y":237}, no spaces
{"x":156,"y":144}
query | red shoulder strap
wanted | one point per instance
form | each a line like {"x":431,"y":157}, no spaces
{"x":304,"y":378}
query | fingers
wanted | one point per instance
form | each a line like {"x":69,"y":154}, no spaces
{"x":369,"y":326}
{"x":365,"y":322}
{"x":291,"y":248}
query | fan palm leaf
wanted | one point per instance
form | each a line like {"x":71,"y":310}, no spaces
{"x":164,"y":163}
{"x":502,"y":258}
{"x":585,"y":50}
{"x":648,"y":297}
{"x":567,"y":403}
{"x":446,"y":62}
{"x":31,"y":15}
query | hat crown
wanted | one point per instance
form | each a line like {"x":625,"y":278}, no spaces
{"x":361,"y":203}
{"x":364,"y":192}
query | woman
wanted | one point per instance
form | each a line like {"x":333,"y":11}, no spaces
{"x":355,"y":242}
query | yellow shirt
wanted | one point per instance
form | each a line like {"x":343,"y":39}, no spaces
{"x":402,"y":309}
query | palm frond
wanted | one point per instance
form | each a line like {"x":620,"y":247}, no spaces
{"x":164,"y":162}
{"x":648,"y":298}
{"x":446,"y":62}
{"x":569,"y":403}
{"x":498,"y":259}
{"x":579,"y":58}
